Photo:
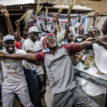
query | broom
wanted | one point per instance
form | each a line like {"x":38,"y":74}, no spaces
{"x":26,"y":16}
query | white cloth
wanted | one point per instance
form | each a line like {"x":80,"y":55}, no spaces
{"x":49,"y":97}
{"x":77,"y":25}
{"x":12,"y":69}
{"x":100,"y":57}
{"x":91,"y":88}
{"x":8,"y":91}
{"x":14,"y":81}
{"x":33,"y":29}
{"x":22,"y":41}
{"x":71,"y":29}
{"x":79,"y":66}
{"x":34,"y":46}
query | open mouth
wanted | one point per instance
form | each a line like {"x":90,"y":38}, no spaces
{"x":10,"y":48}
{"x":53,"y":42}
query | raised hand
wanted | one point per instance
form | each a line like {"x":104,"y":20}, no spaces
{"x":34,"y":19}
{"x":17,"y":23}
{"x":91,"y":39}
{"x":96,"y":15}
{"x":4,"y":11}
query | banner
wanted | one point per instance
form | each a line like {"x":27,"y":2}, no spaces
{"x":62,"y":19}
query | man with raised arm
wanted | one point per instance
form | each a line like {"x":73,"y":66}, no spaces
{"x":60,"y":73}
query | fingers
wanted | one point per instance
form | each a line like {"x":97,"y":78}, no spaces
{"x":17,"y":22}
{"x":92,"y":40}
{"x":3,"y":9}
{"x":1,"y":6}
{"x":89,"y":39}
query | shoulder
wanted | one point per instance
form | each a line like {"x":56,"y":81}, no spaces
{"x":27,"y":41}
{"x":40,"y":56}
{"x":20,"y":51}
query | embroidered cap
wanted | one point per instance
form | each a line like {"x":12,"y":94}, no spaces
{"x":34,"y":29}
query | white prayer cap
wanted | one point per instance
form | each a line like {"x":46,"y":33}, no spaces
{"x":8,"y":38}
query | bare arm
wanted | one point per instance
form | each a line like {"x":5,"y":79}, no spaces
{"x":95,"y":17}
{"x":85,"y":44}
{"x":18,"y":30}
{"x":104,"y":38}
{"x":28,"y":57}
{"x":102,"y":43}
{"x":93,"y":23}
{"x":67,"y":26}
{"x":7,"y":18}
{"x":9,"y":26}
{"x":76,"y":29}
{"x":67,"y":31}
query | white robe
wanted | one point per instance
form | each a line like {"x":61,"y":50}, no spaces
{"x":100,"y":57}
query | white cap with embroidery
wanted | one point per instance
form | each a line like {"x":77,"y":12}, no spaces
{"x":34,"y":29}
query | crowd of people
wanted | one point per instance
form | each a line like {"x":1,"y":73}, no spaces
{"x":37,"y":67}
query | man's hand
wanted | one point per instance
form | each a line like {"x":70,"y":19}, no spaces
{"x":101,"y":43}
{"x":86,"y":43}
{"x":34,"y":18}
{"x":4,"y":11}
{"x":96,"y":15}
{"x":91,"y":39}
{"x":17,"y":23}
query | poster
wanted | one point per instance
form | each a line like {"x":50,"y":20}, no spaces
{"x":62,"y":19}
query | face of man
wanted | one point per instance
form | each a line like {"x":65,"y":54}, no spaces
{"x":93,"y":32}
{"x":34,"y":36}
{"x":89,"y":61}
{"x":76,"y":58}
{"x":51,"y":42}
{"x":10,"y":46}
{"x":58,"y":28}
{"x":70,"y":37}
